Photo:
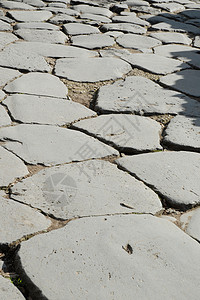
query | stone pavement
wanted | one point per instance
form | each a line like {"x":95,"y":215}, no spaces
{"x":99,"y":149}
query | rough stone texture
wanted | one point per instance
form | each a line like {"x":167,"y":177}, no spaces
{"x":192,"y":13}
{"x":15,"y":5}
{"x":39,"y":144}
{"x":99,"y":19}
{"x":8,"y":290}
{"x":23,"y":221}
{"x":190,"y":223}
{"x":93,"y":41}
{"x":98,"y":69}
{"x":62,"y":19}
{"x":41,"y":110}
{"x":124,"y":27}
{"x":44,"y":36}
{"x":6,"y":38}
{"x":171,"y":25}
{"x":99,"y":189}
{"x":171,"y":7}
{"x":183,"y":133}
{"x":7,"y":74}
{"x":137,"y":41}
{"x":38,"y":84}
{"x":5,"y":26}
{"x":30,"y":16}
{"x":2,"y":95}
{"x":94,"y":10}
{"x":197,"y":41}
{"x":76,"y":29}
{"x":142,"y":96}
{"x":174,"y":175}
{"x":116,"y":255}
{"x":186,"y":81}
{"x":4,"y":117}
{"x":130,"y":19}
{"x":11,"y":167}
{"x":36,"y":25}
{"x":172,"y":37}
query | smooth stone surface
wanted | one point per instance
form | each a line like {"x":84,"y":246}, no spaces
{"x":197,"y":41}
{"x":171,"y":25}
{"x":15,"y":5}
{"x":186,"y":81}
{"x":113,"y":52}
{"x":94,"y":10}
{"x":5,"y":26}
{"x":18,"y":220}
{"x":77,"y":29}
{"x":11,"y":167}
{"x":93,"y":41}
{"x":171,"y":7}
{"x":7,"y":74}
{"x":124,"y":27}
{"x":127,"y":133}
{"x":62,"y":19}
{"x":41,"y":110}
{"x":174,"y":175}
{"x":172,"y":37}
{"x":4,"y":117}
{"x":36,"y":25}
{"x":39,"y":144}
{"x":37,"y":3}
{"x":190,"y":223}
{"x":44,"y":36}
{"x":155,"y":63}
{"x":8,"y":290}
{"x":7,"y":38}
{"x":130,"y":19}
{"x":97,"y":18}
{"x":38,"y":84}
{"x":135,"y":41}
{"x":183,"y":133}
{"x":116,"y":255}
{"x":192,"y":13}
{"x":140,"y":95}
{"x":30,"y":16}
{"x":99,"y":189}
{"x":98,"y":69}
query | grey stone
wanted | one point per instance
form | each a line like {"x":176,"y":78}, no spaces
{"x":6,"y":38}
{"x":127,"y":133}
{"x":155,"y":63}
{"x":190,"y":223}
{"x":38,"y":84}
{"x":7,"y":74}
{"x":15,"y":5}
{"x":124,"y":27}
{"x":43,"y":36}
{"x":191,"y":13}
{"x":62,"y":1}
{"x":142,"y":96}
{"x":131,"y":3}
{"x":172,"y":37}
{"x":8,"y":290}
{"x":173,"y":175}
{"x":23,"y":221}
{"x":5,"y":26}
{"x":146,"y":9}
{"x":11,"y":167}
{"x":171,"y":7}
{"x":37,"y":3}
{"x":192,"y":5}
{"x":36,"y":25}
{"x":197,"y":41}
{"x":100,"y":19}
{"x":45,"y":110}
{"x":93,"y":41}
{"x":52,"y":145}
{"x":119,"y":7}
{"x":130,"y":19}
{"x":94,"y":10}
{"x":171,"y":25}
{"x":114,"y":34}
{"x":7,"y":20}
{"x":77,"y":29}
{"x":135,"y":41}
{"x":57,"y":4}
{"x":65,"y":11}
{"x":186,"y":81}
{"x":4,"y":117}
{"x":113,"y":52}
{"x":83,"y":189}
{"x":195,"y":22}
{"x":62,"y":19}
{"x":120,"y":256}
{"x":183,"y":133}
{"x":98,"y":69}
{"x":30,"y":16}
{"x":2,"y":95}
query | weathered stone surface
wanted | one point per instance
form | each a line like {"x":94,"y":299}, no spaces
{"x":192,"y":13}
{"x":186,"y":81}
{"x":130,"y":19}
{"x":15,"y":5}
{"x":197,"y":41}
{"x":190,"y":223}
{"x":173,"y":175}
{"x":8,"y":290}
{"x":4,"y":117}
{"x":2,"y":95}
{"x":127,"y":133}
{"x":5,"y":26}
{"x":37,"y":3}
{"x":52,"y":145}
{"x":38,"y":84}
{"x":44,"y":36}
{"x":135,"y":41}
{"x":84,"y":189}
{"x":11,"y":167}
{"x":62,"y":19}
{"x":6,"y":38}
{"x":124,"y":27}
{"x":140,"y":95}
{"x":76,"y":29}
{"x":183,"y":133}
{"x":65,"y":11}
{"x":17,"y":220}
{"x":116,"y":255}
{"x":93,"y":41}
{"x":97,"y":18}
{"x":146,"y":9}
{"x":114,"y":34}
{"x":94,"y":10}
{"x":171,"y":25}
{"x":98,"y":69}
{"x":171,"y":7}
{"x":155,"y":63}
{"x":41,"y":110}
{"x":131,"y":3}
{"x":30,"y":16}
{"x":36,"y":25}
{"x":172,"y":37}
{"x":7,"y":75}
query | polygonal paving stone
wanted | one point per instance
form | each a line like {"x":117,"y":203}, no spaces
{"x":145,"y":9}
{"x":124,"y":27}
{"x":63,"y":11}
{"x":99,"y":19}
{"x":130,"y":19}
{"x":114,"y":34}
{"x":15,"y":5}
{"x":7,"y":75}
{"x":52,"y":145}
{"x":41,"y":110}
{"x":8,"y":290}
{"x":171,"y":25}
{"x":155,"y":63}
{"x":87,"y":188}
{"x":197,"y":41}
{"x":76,"y":29}
{"x":93,"y":41}
{"x":2,"y":95}
{"x":62,"y":19}
{"x":36,"y":25}
{"x":190,"y":223}
{"x":37,"y":3}
{"x":183,"y":133}
{"x":186,"y":81}
{"x":127,"y":133}
{"x":94,"y":10}
{"x":140,"y":95}
{"x":30,"y":16}
{"x":44,"y":36}
{"x":6,"y":38}
{"x":38,"y":84}
{"x":192,"y":13}
{"x":119,"y":256}
{"x":131,"y":3}
{"x":23,"y":221}
{"x":91,"y":69}
{"x":173,"y":175}
{"x":5,"y":26}
{"x":172,"y":37}
{"x":11,"y":167}
{"x":4,"y":117}
{"x":135,"y":41}
{"x":171,"y":7}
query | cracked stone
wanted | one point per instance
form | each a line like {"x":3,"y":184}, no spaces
{"x":5,"y":26}
{"x":6,"y":38}
{"x":4,"y":117}
{"x":190,"y":223}
{"x":62,"y":19}
{"x":7,"y":74}
{"x":8,"y":290}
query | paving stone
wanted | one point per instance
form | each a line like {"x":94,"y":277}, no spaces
{"x":130,"y":19}
{"x":172,"y":37}
{"x":190,"y":223}
{"x":15,"y":5}
{"x":197,"y":41}
{"x":114,"y":34}
{"x":38,"y":84}
{"x":44,"y":36}
{"x":77,"y":29}
{"x":23,"y":221}
{"x":38,"y":144}
{"x":191,"y":13}
{"x":45,"y":110}
{"x":4,"y":117}
{"x":192,"y":5}
{"x":127,"y":133}
{"x":116,"y":255}
{"x":131,"y":3}
{"x":93,"y":41}
{"x":8,"y":290}
{"x":155,"y":63}
{"x":11,"y":167}
{"x":171,"y":25}
{"x":100,"y":19}
{"x":140,"y":95}
{"x":30,"y":16}
{"x":62,"y":1}
{"x":118,"y":7}
{"x":154,"y":19}
{"x":171,"y":7}
{"x":135,"y":41}
{"x":124,"y":27}
{"x":2,"y":95}
{"x":62,"y":19}
{"x":5,"y":26}
{"x":108,"y":68}
{"x":186,"y":81}
{"x":57,"y":4}
{"x":195,"y":22}
{"x":146,"y":9}
{"x":6,"y":38}
{"x":7,"y":74}
{"x":36,"y":25}
{"x":66,"y":11}
{"x":173,"y":175}
{"x":113,"y":52}
{"x":37,"y":3}
{"x":94,"y":10}
{"x":87,"y":188}
{"x":183,"y":133}
{"x":7,"y":20}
